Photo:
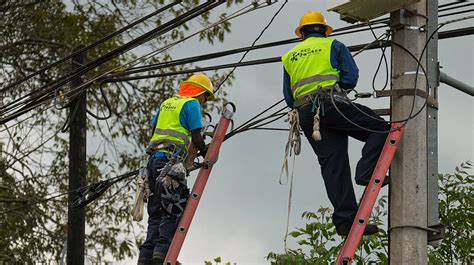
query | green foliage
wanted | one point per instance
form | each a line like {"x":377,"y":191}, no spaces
{"x":37,"y":33}
{"x":218,"y":261}
{"x":456,"y":212}
{"x":318,"y":245}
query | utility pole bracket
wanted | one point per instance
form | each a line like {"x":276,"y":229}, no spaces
{"x":433,"y":236}
{"x":407,"y":92}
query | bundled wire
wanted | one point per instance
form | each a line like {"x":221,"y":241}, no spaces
{"x":37,"y":97}
{"x":90,"y":46}
{"x":80,"y":190}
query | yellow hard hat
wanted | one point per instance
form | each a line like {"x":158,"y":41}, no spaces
{"x":313,"y":18}
{"x":202,"y":81}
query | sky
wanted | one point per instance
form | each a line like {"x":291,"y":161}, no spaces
{"x":242,"y":213}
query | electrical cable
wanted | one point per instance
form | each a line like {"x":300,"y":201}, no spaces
{"x":419,"y":65}
{"x":112,"y":180}
{"x":88,"y":83}
{"x":89,"y":46}
{"x":237,"y":13}
{"x":382,"y":57}
{"x":254,"y":42}
{"x":374,"y":45}
{"x":118,"y":51}
{"x":456,"y":7}
{"x":238,"y":50}
{"x":450,"y":4}
{"x":107,"y":105}
{"x":243,"y":128}
{"x":378,"y":21}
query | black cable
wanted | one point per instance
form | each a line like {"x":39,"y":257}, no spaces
{"x":354,"y":26}
{"x":253,"y":122}
{"x":442,"y":35}
{"x":410,"y":115}
{"x":118,"y":51}
{"x":382,"y":57}
{"x":112,"y":180}
{"x":88,"y":47}
{"x":455,"y":7}
{"x":254,"y":42}
{"x":107,"y":105}
{"x":456,"y":13}
{"x":70,"y":118}
{"x":193,"y":59}
{"x":260,"y":114}
{"x":452,"y":3}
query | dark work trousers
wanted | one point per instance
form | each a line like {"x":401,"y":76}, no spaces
{"x":161,"y":226}
{"x":332,"y":151}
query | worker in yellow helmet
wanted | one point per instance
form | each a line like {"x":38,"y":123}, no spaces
{"x":312,"y":69}
{"x":177,"y":123}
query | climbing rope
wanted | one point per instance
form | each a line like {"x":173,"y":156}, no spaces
{"x":293,"y":146}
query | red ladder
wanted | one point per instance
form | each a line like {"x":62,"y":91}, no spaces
{"x":198,"y":188}
{"x":370,"y":196}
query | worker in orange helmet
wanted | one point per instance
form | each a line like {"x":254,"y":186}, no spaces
{"x":177,"y":123}
{"x":312,"y":69}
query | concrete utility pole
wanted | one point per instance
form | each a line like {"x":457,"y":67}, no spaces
{"x":77,"y":168}
{"x":413,"y":187}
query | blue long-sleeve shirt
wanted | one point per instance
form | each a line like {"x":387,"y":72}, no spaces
{"x":341,"y":59}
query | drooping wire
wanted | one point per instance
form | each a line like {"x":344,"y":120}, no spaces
{"x":90,"y":46}
{"x":419,"y":65}
{"x":253,"y":44}
{"x":74,"y":92}
{"x":382,"y":58}
{"x":110,"y":181}
{"x":40,"y":94}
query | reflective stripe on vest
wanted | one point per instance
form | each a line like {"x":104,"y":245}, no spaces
{"x":309,"y":66}
{"x":312,"y":79}
{"x":168,"y":127}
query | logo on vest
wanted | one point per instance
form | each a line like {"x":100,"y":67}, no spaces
{"x":305,"y":52}
{"x":167,"y":106}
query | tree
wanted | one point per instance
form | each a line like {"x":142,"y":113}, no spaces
{"x":456,"y":213}
{"x":317,"y":244}
{"x":35,"y":34}
{"x":317,"y":241}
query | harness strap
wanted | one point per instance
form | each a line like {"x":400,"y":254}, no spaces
{"x":309,"y":97}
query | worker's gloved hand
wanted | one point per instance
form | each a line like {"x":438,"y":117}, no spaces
{"x":203,"y":152}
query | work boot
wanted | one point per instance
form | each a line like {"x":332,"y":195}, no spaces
{"x":343,"y":230}
{"x":365,"y":182}
{"x":159,"y":259}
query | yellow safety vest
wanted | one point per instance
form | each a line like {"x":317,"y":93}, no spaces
{"x":309,"y":66}
{"x":168,"y":130}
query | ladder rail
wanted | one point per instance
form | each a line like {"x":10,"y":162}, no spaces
{"x":346,"y":255}
{"x":198,"y":188}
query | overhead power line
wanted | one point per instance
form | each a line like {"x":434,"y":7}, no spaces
{"x":47,"y":92}
{"x":442,"y":35}
{"x":88,"y":47}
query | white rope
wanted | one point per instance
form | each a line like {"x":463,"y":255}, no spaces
{"x":316,"y":133}
{"x":142,"y":195}
{"x":293,"y":146}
